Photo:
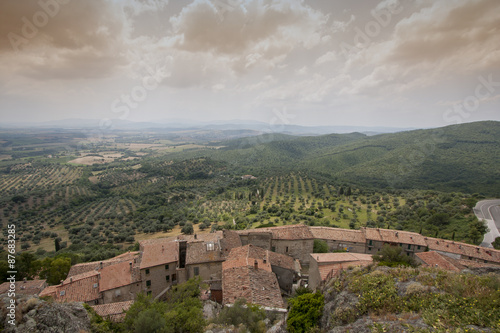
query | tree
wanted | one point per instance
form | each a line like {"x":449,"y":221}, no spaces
{"x":187,"y":229}
{"x":393,"y":256}
{"x":477,"y":229}
{"x":496,"y":243}
{"x":348,"y":192}
{"x":320,"y":246}
{"x":150,"y":320}
{"x":341,"y":190}
{"x":26,"y":265}
{"x":251,"y":316}
{"x":439,"y":219}
{"x":305,"y":312}
{"x":182,"y":312}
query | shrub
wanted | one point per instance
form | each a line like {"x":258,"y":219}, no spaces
{"x":241,"y":313}
{"x":320,"y":246}
{"x":305,"y":312}
{"x":393,"y":256}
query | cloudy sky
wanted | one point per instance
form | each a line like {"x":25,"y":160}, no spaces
{"x":394,"y":63}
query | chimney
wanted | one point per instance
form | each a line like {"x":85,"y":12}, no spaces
{"x":70,"y":280}
{"x":62,"y":282}
{"x":24,"y":280}
{"x":130,"y":265}
{"x":397,"y":233}
{"x":255,"y":264}
{"x":195,"y":236}
{"x":100,"y":264}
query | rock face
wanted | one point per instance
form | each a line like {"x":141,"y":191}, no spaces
{"x":35,"y":315}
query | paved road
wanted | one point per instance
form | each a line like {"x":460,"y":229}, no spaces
{"x":489,"y":210}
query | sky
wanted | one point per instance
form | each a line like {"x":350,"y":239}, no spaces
{"x":395,"y":63}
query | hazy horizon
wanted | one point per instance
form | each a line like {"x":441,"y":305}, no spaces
{"x":390,"y":63}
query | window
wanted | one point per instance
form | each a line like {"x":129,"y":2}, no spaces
{"x":166,"y":266}
{"x":174,"y":277}
{"x":409,"y":246}
{"x":196,"y":271}
{"x":167,"y":278}
{"x":118,"y":292}
{"x":147,"y":271}
{"x":148,"y":283}
{"x":370,"y":243}
{"x":418,"y":247}
{"x":286,"y":250}
{"x":210,"y":246}
{"x":273,"y":248}
{"x":62,"y":293}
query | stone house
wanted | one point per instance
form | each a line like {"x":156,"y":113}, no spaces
{"x":324,"y":266}
{"x":295,"y":241}
{"x":341,"y":239}
{"x":247,"y":274}
{"x":410,"y":242}
{"x":284,"y":267}
{"x":158,"y":265}
{"x":464,"y":251}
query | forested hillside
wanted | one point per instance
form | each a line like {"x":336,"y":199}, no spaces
{"x":455,"y":158}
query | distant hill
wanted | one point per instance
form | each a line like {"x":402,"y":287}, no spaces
{"x":463,"y":157}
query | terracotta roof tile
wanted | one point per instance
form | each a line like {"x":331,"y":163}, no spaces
{"x":80,"y":288}
{"x":28,"y":287}
{"x":159,"y":253}
{"x":340,"y":257}
{"x":200,"y":252}
{"x":330,"y":263}
{"x":248,"y":255}
{"x":90,"y":266}
{"x":434,"y":259}
{"x":117,"y":275}
{"x":464,"y":249}
{"x":49,"y":291}
{"x":394,"y":236}
{"x":257,"y":286}
{"x":345,"y":235}
{"x":113,"y":311}
{"x":284,"y":232}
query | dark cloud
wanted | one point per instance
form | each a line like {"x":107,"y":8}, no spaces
{"x":469,"y":31}
{"x":71,"y":39}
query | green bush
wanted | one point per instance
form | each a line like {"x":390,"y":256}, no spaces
{"x":241,"y":313}
{"x":393,"y":256}
{"x":320,"y":246}
{"x":182,"y":312}
{"x":305,"y":312}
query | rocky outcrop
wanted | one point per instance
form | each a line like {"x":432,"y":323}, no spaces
{"x":36,"y":315}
